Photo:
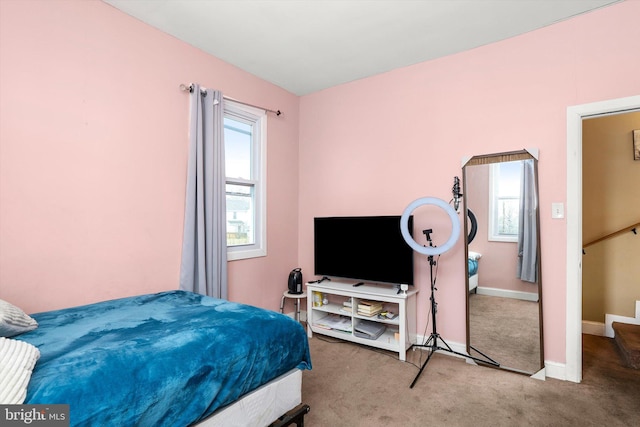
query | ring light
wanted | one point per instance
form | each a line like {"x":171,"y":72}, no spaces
{"x":474,"y":226}
{"x":430,"y":250}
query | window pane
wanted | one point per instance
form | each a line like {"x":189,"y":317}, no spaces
{"x":240,"y":215}
{"x":504,"y":211}
{"x":508,"y":197}
{"x":237,"y":145}
{"x":509,"y":179}
{"x":508,"y":210}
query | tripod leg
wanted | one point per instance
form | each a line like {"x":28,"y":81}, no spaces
{"x":423,"y":366}
{"x":491,"y":361}
{"x":426,"y":344}
{"x":467,"y":356}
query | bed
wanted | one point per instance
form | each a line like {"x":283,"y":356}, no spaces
{"x":168,"y":359}
{"x":473,"y":265}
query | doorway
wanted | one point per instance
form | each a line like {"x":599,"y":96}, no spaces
{"x":575,"y":115}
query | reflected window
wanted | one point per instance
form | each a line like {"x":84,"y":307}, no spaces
{"x":504,"y":201}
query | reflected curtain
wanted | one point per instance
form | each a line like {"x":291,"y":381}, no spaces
{"x":204,"y":245}
{"x":528,"y":228}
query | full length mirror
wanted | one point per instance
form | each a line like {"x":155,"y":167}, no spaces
{"x":504,"y":287}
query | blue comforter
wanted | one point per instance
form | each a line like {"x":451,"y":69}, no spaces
{"x":473,"y":266}
{"x":167,"y":359}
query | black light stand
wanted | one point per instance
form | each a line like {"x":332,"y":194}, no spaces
{"x":432,"y":341}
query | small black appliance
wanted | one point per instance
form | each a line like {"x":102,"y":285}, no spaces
{"x":295,"y":281}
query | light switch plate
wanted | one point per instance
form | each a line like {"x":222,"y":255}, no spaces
{"x":557,"y":210}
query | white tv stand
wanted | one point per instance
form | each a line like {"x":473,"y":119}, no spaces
{"x":400,"y":332}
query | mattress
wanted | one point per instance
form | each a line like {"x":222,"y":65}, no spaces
{"x":262,"y":406}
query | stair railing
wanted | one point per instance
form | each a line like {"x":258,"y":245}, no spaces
{"x":633,"y":228}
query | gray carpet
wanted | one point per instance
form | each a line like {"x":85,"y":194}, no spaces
{"x":352,"y":385}
{"x":506,"y":330}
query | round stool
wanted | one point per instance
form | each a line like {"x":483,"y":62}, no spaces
{"x":297,"y":298}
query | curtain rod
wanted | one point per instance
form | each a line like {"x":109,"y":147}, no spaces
{"x":189,"y":88}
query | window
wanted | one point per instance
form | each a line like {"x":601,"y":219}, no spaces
{"x":504,"y":201}
{"x":245,"y":168}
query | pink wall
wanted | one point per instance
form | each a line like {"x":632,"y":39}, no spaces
{"x":93,"y":139}
{"x":373,"y":145}
{"x":93,"y":135}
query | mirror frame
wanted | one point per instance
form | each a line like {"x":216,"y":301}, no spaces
{"x":486,"y":159}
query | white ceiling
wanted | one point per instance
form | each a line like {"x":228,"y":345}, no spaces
{"x":308,"y":45}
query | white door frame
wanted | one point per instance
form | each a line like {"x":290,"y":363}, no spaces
{"x":575,"y":115}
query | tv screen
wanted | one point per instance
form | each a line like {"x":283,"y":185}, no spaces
{"x":366,"y":248}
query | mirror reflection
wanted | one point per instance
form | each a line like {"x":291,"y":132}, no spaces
{"x":503,"y":268}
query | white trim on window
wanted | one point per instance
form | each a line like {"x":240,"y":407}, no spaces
{"x":258,"y":182}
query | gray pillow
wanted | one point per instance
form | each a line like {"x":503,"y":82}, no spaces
{"x":14,"y":321}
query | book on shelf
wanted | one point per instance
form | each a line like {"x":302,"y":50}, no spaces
{"x":369,"y":308}
{"x":334,"y":321}
{"x":369,"y":314}
{"x":369,"y":305}
{"x":365,"y":302}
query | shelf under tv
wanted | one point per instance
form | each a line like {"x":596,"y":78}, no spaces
{"x":400,"y":331}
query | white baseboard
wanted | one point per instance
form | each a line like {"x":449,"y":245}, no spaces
{"x":495,"y":292}
{"x":552,"y":369}
{"x":593,"y":328}
{"x":455,"y":346}
{"x":556,"y":370}
{"x":610,"y":318}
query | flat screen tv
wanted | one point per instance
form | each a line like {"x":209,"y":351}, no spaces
{"x":364,"y":248}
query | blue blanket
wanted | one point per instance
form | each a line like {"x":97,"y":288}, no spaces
{"x":167,"y":359}
{"x":473,"y":266}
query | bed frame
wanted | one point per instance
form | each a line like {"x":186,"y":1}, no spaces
{"x":473,"y":283}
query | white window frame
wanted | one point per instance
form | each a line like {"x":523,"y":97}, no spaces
{"x":493,"y":235}
{"x":258,"y":118}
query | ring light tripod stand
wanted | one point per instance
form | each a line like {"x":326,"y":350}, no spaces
{"x":430,"y":251}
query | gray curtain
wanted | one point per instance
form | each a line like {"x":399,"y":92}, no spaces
{"x":204,"y":245}
{"x":528,"y":230}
